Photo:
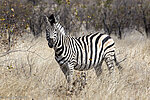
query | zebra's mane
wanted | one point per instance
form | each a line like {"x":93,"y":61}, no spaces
{"x":60,"y":28}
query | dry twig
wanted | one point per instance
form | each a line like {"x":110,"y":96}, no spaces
{"x":27,"y":50}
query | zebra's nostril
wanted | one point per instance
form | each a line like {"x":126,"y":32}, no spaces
{"x":50,"y":43}
{"x":50,"y":40}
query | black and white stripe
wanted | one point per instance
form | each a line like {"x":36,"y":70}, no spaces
{"x":82,"y":53}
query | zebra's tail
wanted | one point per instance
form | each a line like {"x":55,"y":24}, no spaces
{"x":118,"y":63}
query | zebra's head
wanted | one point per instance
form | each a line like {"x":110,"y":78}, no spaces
{"x":51,"y":32}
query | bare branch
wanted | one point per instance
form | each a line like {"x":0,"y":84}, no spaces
{"x":122,"y":60}
{"x":27,"y":50}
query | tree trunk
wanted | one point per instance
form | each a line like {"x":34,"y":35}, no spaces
{"x":145,"y":24}
{"x":120,"y":33}
{"x":106,"y":28}
{"x":119,"y":30}
{"x":9,"y":41}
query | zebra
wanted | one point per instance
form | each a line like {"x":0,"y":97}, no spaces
{"x":79,"y":53}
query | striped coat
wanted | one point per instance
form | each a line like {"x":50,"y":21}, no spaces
{"x":82,"y":53}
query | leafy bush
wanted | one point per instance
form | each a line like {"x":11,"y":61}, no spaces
{"x":14,"y":17}
{"x":111,"y":15}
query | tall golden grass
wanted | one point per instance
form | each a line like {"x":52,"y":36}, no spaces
{"x":31,"y":73}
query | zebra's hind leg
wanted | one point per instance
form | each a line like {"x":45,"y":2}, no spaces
{"x":109,"y":59}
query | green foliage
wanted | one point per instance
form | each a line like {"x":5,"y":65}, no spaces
{"x":59,"y":1}
{"x":111,"y":15}
{"x":14,"y":19}
{"x":14,"y":15}
{"x":107,"y":3}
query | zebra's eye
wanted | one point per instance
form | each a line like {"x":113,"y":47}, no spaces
{"x":48,"y":29}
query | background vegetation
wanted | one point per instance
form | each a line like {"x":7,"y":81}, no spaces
{"x":29,"y":71}
{"x":112,"y":16}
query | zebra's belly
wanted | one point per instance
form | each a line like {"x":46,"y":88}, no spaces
{"x":81,"y":64}
{"x":83,"y":67}
{"x":86,"y":63}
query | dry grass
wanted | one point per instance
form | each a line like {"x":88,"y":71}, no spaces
{"x":36,"y":75}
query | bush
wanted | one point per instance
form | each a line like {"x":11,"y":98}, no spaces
{"x":14,"y":18}
{"x":111,"y":15}
{"x":14,"y":15}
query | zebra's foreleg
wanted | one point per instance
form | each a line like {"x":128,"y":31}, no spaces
{"x":70,"y":77}
{"x":68,"y":71}
{"x":98,"y":69}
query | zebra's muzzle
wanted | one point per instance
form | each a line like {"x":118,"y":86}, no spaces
{"x":50,"y":43}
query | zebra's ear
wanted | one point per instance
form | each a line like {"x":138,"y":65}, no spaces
{"x":46,"y":19}
{"x":52,"y":19}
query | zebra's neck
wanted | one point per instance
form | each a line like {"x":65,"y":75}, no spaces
{"x":58,"y":44}
{"x":61,"y":36}
{"x":59,"y":28}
